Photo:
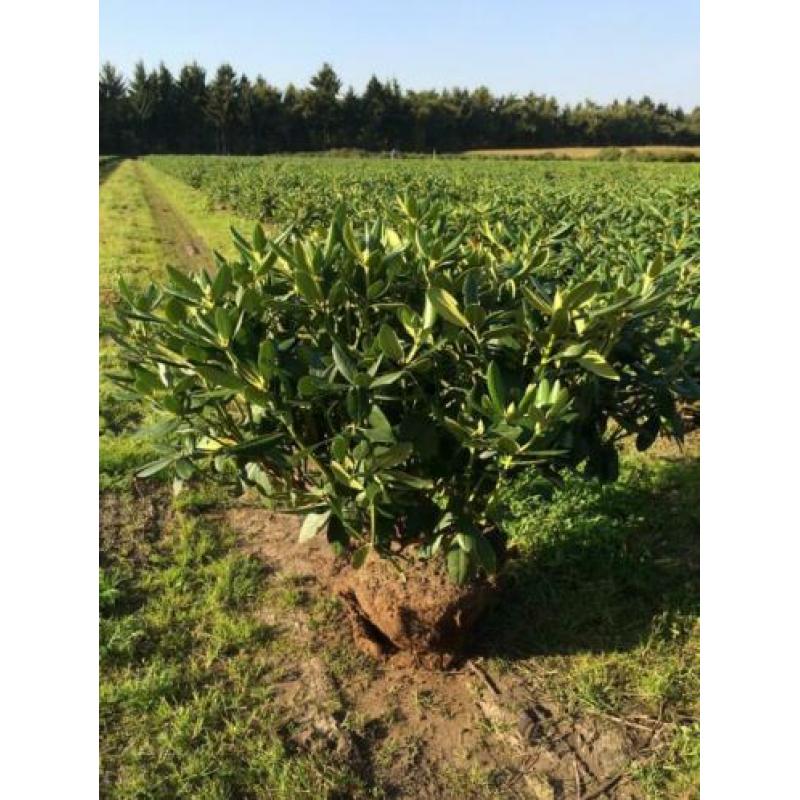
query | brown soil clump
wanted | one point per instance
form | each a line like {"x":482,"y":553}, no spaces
{"x":419,"y":610}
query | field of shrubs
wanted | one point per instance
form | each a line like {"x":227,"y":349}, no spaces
{"x":482,"y":377}
{"x":637,"y":207}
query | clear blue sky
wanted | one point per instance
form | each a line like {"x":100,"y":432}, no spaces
{"x":571,"y":49}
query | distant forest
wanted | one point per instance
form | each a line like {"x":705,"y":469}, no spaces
{"x":156,"y":112}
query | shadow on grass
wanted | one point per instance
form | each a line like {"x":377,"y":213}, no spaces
{"x":597,"y":564}
{"x":107,"y":166}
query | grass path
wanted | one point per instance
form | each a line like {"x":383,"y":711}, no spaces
{"x":182,"y":246}
{"x":149,"y":219}
{"x":130,"y":244}
{"x":191,"y":204}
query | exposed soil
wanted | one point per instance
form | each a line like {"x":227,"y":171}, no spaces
{"x":420,"y":611}
{"x":669,"y":448}
{"x":417,"y":731}
{"x":131,"y":522}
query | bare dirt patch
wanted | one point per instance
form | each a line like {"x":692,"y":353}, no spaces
{"x":130,"y":522}
{"x":418,"y":732}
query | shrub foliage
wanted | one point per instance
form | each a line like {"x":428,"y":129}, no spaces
{"x":387,"y":379}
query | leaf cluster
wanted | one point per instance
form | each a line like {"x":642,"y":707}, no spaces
{"x":387,"y":379}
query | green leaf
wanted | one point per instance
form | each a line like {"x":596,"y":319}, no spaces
{"x":527,"y":398}
{"x":537,"y":301}
{"x":350,"y":240}
{"x":340,"y":473}
{"x":381,"y":429}
{"x":573,"y":351}
{"x":147,"y":382}
{"x":412,"y":481}
{"x":239,"y":240}
{"x":308,"y":386}
{"x":581,"y":294}
{"x":360,"y":556}
{"x":543,"y":393}
{"x":466,"y":541}
{"x":258,"y":443}
{"x":339,"y":448}
{"x":655,"y":268}
{"x":397,"y":454}
{"x":223,"y":322}
{"x":428,"y":315}
{"x":337,"y":294}
{"x":222,"y":282}
{"x":221,"y":377}
{"x":155,"y":466}
{"x":475,"y":314}
{"x":307,"y":286}
{"x":374,"y":289}
{"x":410,"y":319}
{"x":184,"y":283}
{"x":267,"y":358}
{"x":386,"y":380}
{"x":459,"y":431}
{"x":494,"y":382}
{"x":255,"y":474}
{"x":594,"y":362}
{"x":194,"y":353}
{"x":390,"y":344}
{"x":559,"y":322}
{"x":447,"y":306}
{"x":470,"y":288}
{"x":175,"y":310}
{"x":184,"y":468}
{"x":378,"y":419}
{"x":344,"y":364}
{"x":259,"y":240}
{"x":485,"y":553}
{"x":312,"y":524}
{"x":459,"y":565}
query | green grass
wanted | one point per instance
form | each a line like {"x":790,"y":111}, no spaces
{"x":601,"y":608}
{"x":186,"y":676}
{"x":677,"y":773}
{"x":130,"y":246}
{"x":129,"y":238}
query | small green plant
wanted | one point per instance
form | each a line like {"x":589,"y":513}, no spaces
{"x":389,"y":380}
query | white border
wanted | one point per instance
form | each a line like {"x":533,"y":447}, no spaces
{"x":751,"y":362}
{"x":49,"y":289}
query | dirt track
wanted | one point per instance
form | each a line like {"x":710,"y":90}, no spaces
{"x":183,"y":246}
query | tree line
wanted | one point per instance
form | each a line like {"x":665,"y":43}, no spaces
{"x":156,"y":112}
